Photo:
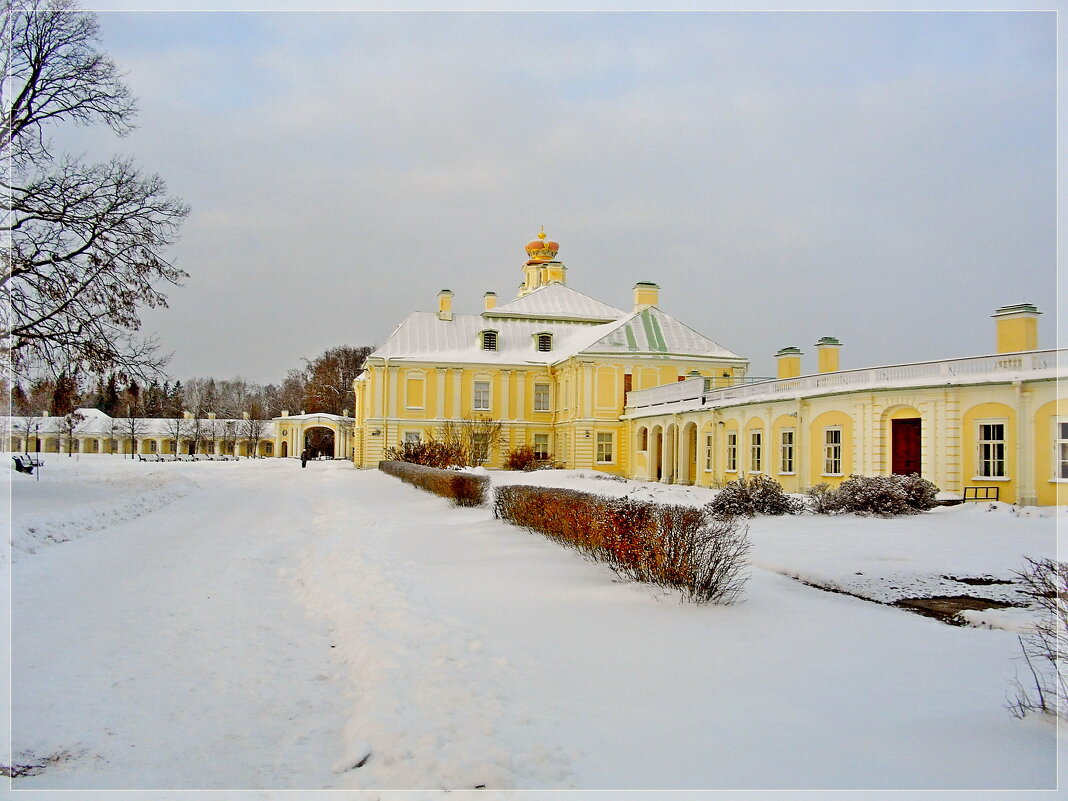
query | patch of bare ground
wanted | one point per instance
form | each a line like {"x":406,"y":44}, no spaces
{"x":947,"y":607}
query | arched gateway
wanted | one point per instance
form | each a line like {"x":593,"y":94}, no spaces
{"x":325,"y":435}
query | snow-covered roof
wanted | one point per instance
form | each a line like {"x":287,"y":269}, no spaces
{"x":652,"y":331}
{"x":314,"y":416}
{"x":649,"y":332}
{"x":557,"y":302}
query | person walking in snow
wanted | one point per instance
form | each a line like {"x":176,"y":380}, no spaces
{"x":304,"y":458}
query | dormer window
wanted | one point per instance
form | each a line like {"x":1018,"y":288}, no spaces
{"x":545,"y":342}
{"x":489,"y":340}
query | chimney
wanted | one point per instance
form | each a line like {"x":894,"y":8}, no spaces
{"x":490,"y":300}
{"x":211,"y":415}
{"x":445,"y":304}
{"x":44,"y":413}
{"x":646,"y":294}
{"x":789,"y":361}
{"x":1017,"y":327}
{"x":827,"y":348}
{"x":285,"y":412}
{"x":187,"y":415}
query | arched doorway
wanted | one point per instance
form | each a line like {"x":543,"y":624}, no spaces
{"x":658,"y":450}
{"x":688,"y":467}
{"x":285,"y":449}
{"x":319,"y":440}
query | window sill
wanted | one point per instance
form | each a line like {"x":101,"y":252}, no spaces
{"x":832,"y":475}
{"x":991,"y":478}
{"x":1058,"y":481}
{"x":788,"y":474}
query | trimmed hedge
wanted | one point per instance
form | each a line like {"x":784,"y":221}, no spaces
{"x":882,"y":496}
{"x":463,"y":489}
{"x":674,"y":546}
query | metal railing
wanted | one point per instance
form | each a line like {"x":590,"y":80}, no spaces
{"x":696,"y":392}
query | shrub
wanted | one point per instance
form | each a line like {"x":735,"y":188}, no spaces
{"x":920,"y":493}
{"x":1045,"y":581}
{"x":524,"y":458}
{"x":673,"y":546}
{"x":759,"y":495}
{"x":884,"y":496}
{"x":822,"y":500}
{"x":430,"y":453}
{"x":463,"y":489}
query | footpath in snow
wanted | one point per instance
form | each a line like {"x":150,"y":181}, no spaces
{"x":255,"y":625}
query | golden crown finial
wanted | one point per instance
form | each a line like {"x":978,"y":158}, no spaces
{"x":541,"y":250}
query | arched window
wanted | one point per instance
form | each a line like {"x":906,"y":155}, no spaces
{"x":545,"y":342}
{"x":489,"y":340}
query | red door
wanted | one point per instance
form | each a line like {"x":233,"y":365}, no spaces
{"x":905,"y":446}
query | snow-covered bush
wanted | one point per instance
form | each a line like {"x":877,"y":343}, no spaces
{"x":759,"y":495}
{"x":822,"y":500}
{"x":922,"y":494}
{"x":430,"y":452}
{"x":673,"y":546}
{"x":524,"y":458}
{"x":1045,"y":650}
{"x":462,"y":488}
{"x":884,"y":496}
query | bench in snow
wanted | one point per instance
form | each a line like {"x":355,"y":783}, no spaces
{"x":24,"y":463}
{"x":150,"y":457}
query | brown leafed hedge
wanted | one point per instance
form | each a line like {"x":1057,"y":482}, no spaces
{"x":463,"y":489}
{"x":673,"y":546}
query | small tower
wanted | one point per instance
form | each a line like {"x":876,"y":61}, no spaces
{"x":789,"y":361}
{"x":542,"y":268}
{"x":1017,"y":326}
{"x":827,"y":350}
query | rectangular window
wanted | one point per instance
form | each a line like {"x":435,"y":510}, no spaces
{"x":628,"y":385}
{"x":991,"y":441}
{"x":414,"y":393}
{"x":604,"y":447}
{"x":1061,"y":450}
{"x":832,"y":452}
{"x":489,"y":340}
{"x":787,"y":451}
{"x":412,"y":436}
{"x":541,"y":397}
{"x":732,"y":452}
{"x":755,"y":440}
{"x":708,"y":453}
{"x":482,"y":396}
{"x":541,"y":446}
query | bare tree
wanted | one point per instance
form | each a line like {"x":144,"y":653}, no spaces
{"x":29,"y":428}
{"x":253,"y":427}
{"x":228,"y":437}
{"x":83,"y":243}
{"x":177,"y":429}
{"x":72,"y":422}
{"x":328,"y":386}
{"x":474,"y":437}
{"x":133,"y":427}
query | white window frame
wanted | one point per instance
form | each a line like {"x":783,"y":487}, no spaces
{"x":478,"y":394}
{"x":538,"y":440}
{"x":787,"y":452}
{"x":547,"y":406}
{"x":756,"y":450}
{"x":606,"y":447}
{"x":731,"y":452}
{"x":1060,"y":449}
{"x":413,"y":436}
{"x":981,"y":462}
{"x":832,"y":451}
{"x":710,"y":454}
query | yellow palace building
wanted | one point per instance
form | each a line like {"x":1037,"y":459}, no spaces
{"x":553,"y":366}
{"x":642,"y":395}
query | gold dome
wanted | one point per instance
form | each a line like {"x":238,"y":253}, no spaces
{"x":541,"y":250}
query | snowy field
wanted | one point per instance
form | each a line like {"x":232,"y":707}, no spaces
{"x":255,"y":626}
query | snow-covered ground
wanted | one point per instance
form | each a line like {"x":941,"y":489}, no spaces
{"x":255,"y":625}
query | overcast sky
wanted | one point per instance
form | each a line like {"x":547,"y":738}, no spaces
{"x":888,"y":179}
